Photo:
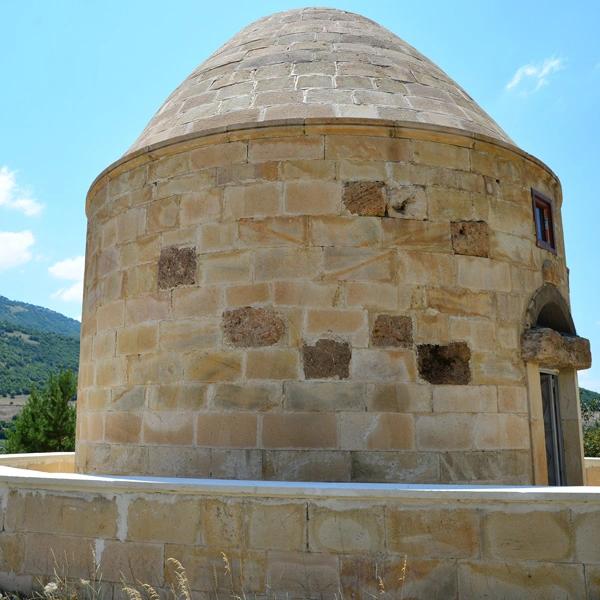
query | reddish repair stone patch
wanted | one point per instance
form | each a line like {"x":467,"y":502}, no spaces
{"x":470,"y":238}
{"x":390,"y":330}
{"x":445,"y":364}
{"x":327,"y":359}
{"x":365,"y":198}
{"x":176,"y":266}
{"x":247,"y":326}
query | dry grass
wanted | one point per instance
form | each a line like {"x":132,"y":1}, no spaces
{"x":61,"y":587}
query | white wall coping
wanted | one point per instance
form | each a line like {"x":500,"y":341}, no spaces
{"x":109,"y":485}
{"x":35,"y":457}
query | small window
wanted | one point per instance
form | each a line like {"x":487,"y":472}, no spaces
{"x":544,"y":224}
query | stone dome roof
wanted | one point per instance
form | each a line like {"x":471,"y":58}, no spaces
{"x":315,"y":63}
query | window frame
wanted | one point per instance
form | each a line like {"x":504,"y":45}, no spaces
{"x":539,"y":199}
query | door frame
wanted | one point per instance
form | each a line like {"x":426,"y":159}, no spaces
{"x":570,"y":418}
{"x":555,"y":435}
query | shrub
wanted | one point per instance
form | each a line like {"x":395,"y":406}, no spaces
{"x":47,"y":421}
{"x":591,"y":440}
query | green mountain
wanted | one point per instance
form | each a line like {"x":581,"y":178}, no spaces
{"x":34,"y":342}
{"x":37,"y":318}
{"x":589,"y":399}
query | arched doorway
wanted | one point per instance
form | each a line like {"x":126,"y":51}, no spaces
{"x":553,"y":353}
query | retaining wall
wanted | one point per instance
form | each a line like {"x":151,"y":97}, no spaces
{"x":303,"y":540}
{"x":592,"y":471}
{"x":48,"y":462}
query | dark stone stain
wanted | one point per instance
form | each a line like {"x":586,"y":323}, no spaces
{"x":326,"y":359}
{"x":247,"y":326}
{"x":176,"y":266}
{"x":447,"y":364}
{"x":390,"y":330}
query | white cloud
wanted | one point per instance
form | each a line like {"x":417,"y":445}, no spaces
{"x":15,"y":197}
{"x":73,"y":293}
{"x":15,"y":248}
{"x":531,"y":77}
{"x":70,"y":269}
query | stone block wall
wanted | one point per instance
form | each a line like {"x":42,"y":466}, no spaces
{"x":313,"y":301}
{"x":302,"y":542}
{"x":592,"y":471}
{"x":48,"y":462}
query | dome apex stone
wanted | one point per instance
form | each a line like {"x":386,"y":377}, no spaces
{"x":315,"y":63}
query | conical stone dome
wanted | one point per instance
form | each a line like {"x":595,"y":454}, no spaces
{"x":311,"y":63}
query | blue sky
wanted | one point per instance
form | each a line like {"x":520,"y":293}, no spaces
{"x":79,"y":81}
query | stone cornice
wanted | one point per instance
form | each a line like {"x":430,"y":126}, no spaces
{"x":395,"y":129}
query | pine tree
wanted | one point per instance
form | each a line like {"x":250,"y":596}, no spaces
{"x":47,"y":421}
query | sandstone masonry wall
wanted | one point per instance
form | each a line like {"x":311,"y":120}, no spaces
{"x":300,"y":542}
{"x":318,"y":301}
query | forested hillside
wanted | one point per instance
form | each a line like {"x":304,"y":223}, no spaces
{"x":34,"y":342}
{"x":37,"y":318}
{"x":27,"y":357}
{"x":589,"y":399}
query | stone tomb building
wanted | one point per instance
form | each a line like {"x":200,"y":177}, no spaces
{"x":323,"y":261}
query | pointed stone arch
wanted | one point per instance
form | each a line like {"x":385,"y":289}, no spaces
{"x":548,"y":308}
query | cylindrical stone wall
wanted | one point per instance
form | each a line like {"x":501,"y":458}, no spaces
{"x":321,"y":301}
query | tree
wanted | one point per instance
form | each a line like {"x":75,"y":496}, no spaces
{"x":47,"y":421}
{"x":591,"y":441}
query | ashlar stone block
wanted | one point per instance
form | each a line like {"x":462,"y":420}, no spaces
{"x":383,"y":431}
{"x":322,"y":396}
{"x":279,"y":363}
{"x":397,"y":576}
{"x":346,"y":530}
{"x":378,"y":364}
{"x":312,"y":197}
{"x":277,"y":526}
{"x":518,"y":580}
{"x":60,"y":514}
{"x":233,"y":430}
{"x":407,"y":202}
{"x":257,"y":397}
{"x":306,"y":465}
{"x":41,"y":551}
{"x":470,"y":238}
{"x":401,"y":466}
{"x":299,"y":430}
{"x":133,"y":562}
{"x":532,"y":535}
{"x":169,"y":428}
{"x":498,"y":467}
{"x":433,"y":533}
{"x":12,"y":552}
{"x":150,"y":520}
{"x":302,"y":573}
